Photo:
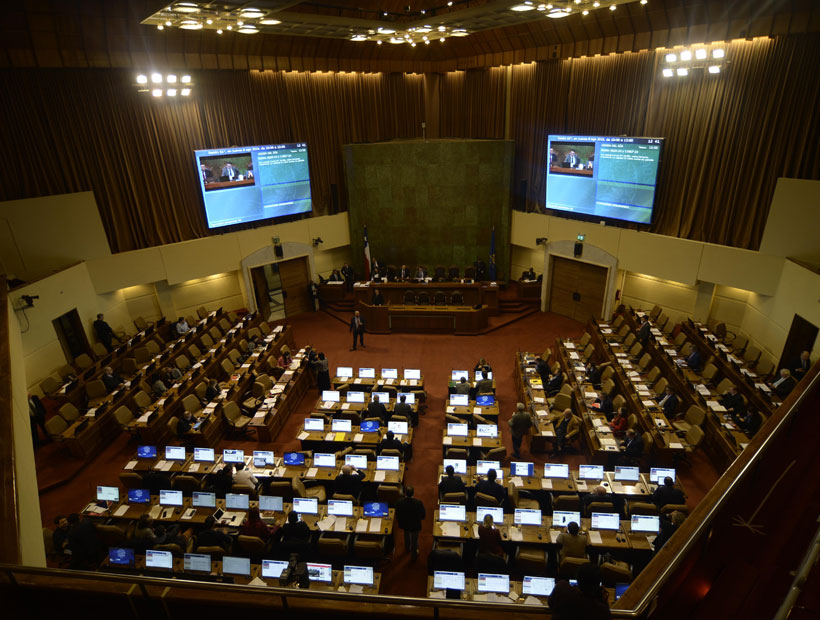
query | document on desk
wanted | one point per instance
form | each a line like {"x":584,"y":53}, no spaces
{"x":259,"y":417}
{"x":541,"y":412}
{"x":358,"y":437}
{"x":515,"y":534}
{"x":361,"y":525}
{"x":345,"y":406}
{"x":547,"y":433}
{"x":155,"y":511}
{"x":480,"y":597}
{"x":546,"y":483}
{"x":715,"y":406}
{"x":574,"y":356}
{"x":451,"y":409}
{"x":327,"y":404}
{"x":477,"y":410}
{"x":311,"y":473}
{"x":475,"y":530}
{"x":413,"y":381}
{"x":648,"y":403}
{"x":303,"y":435}
{"x":608,"y":441}
{"x":280,"y":472}
{"x":144,"y":417}
{"x":327,"y":523}
{"x":597,"y":422}
{"x":447,"y":441}
{"x":569,"y":345}
{"x":450,"y":529}
{"x":375,"y":524}
{"x":130,"y":465}
{"x":591,"y":395}
{"x":355,"y":588}
{"x":437,"y":594}
{"x":595,"y":537}
{"x":533,"y":600}
{"x":581,"y":484}
{"x":763,"y":387}
{"x":378,"y":475}
{"x":675,"y":445}
{"x":477,"y":441}
{"x":193,"y":467}
{"x":554,"y":534}
{"x":340,"y":525}
{"x":539,"y":399}
{"x":121,"y":510}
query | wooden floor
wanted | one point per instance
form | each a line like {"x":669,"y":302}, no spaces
{"x":436,"y":355}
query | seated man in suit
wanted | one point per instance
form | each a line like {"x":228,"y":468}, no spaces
{"x":553,"y":385}
{"x":211,"y":536}
{"x":733,"y":401}
{"x":668,"y":493}
{"x":694,"y":360}
{"x":377,"y":299}
{"x":749,"y":421}
{"x":643,"y":332}
{"x":594,"y":372}
{"x":600,"y":494}
{"x":573,"y":544}
{"x":375,"y":409}
{"x":484,"y":385}
{"x":800,"y":366}
{"x":462,"y":387}
{"x":403,"y":409}
{"x":669,"y":525}
{"x":489,"y":486}
{"x":566,"y":429}
{"x":785,"y":384}
{"x":110,"y":379}
{"x":182,"y":326}
{"x":450,"y":483}
{"x":403,"y":274}
{"x":633,"y":444}
{"x":605,"y":406}
{"x":529,"y":274}
{"x":389,"y":442}
{"x":543,"y":370}
{"x":335,"y":276}
{"x":669,"y":402}
{"x":349,"y":482}
{"x":420,"y":273}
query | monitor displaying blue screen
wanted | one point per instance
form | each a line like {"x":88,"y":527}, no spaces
{"x":147,"y":452}
{"x":605,"y":177}
{"x":139,"y":496}
{"x":120,"y":556}
{"x":485,"y":400}
{"x":249,"y":183}
{"x":294,"y":458}
{"x":369,"y":426}
{"x":375,"y":509}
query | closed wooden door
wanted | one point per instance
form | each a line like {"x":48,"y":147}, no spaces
{"x":577,"y":289}
{"x":295,"y":276}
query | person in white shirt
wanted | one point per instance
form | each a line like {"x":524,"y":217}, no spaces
{"x":243,"y":476}
{"x":182,"y":326}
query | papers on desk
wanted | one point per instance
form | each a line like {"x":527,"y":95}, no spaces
{"x":354,"y":588}
{"x":311,"y":473}
{"x":574,"y":356}
{"x":606,"y":331}
{"x":595,"y":537}
{"x":541,"y":412}
{"x":663,"y":342}
{"x":735,"y":360}
{"x":581,"y":484}
{"x":193,"y":467}
{"x":477,"y":410}
{"x":330,"y":436}
{"x":164,"y":465}
{"x":358,"y":437}
{"x":259,"y":417}
{"x":676,"y":446}
{"x":155,"y":511}
{"x":655,"y":331}
{"x":539,"y":399}
{"x":450,"y":529}
{"x":475,"y":530}
{"x":411,"y":382}
{"x":143,"y":419}
{"x":626,"y":364}
{"x":345,"y":406}
{"x":303,"y":435}
{"x":515,"y":534}
{"x":451,"y":409}
{"x":447,"y":441}
{"x":671,"y":352}
{"x":93,"y":508}
{"x":256,"y":581}
{"x":286,"y":375}
{"x":591,"y":395}
{"x":517,"y":481}
{"x":546,"y":483}
{"x":375,"y":524}
{"x":279,"y":472}
{"x":121,"y":510}
{"x":569,"y":345}
{"x":327,"y":523}
{"x":633,"y":373}
{"x":702,"y":390}
{"x":597,"y":422}
{"x":477,"y":441}
{"x":437,"y":594}
{"x":547,"y":433}
{"x":711,"y":337}
{"x":533,"y":600}
{"x":554,"y":534}
{"x":130,"y":465}
{"x":378,"y":475}
{"x":621,"y":355}
{"x":715,"y":406}
{"x":763,"y":387}
{"x":649,"y":403}
{"x":608,"y":441}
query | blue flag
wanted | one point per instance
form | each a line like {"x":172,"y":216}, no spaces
{"x":491,"y":266}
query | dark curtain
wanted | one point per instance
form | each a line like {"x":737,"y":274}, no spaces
{"x":471,"y":103}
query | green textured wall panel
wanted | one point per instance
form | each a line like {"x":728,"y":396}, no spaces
{"x":430,"y":202}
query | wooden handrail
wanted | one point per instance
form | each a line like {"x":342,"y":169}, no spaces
{"x":9,"y":532}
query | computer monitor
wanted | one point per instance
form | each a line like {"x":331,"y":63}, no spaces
{"x":359,"y":461}
{"x":265,"y":456}
{"x":306,"y":505}
{"x":591,"y":472}
{"x":645,"y":523}
{"x":330,"y":395}
{"x":375,"y":509}
{"x":486,"y":430}
{"x":605,"y":521}
{"x":485,"y":400}
{"x":387,"y":463}
{"x":233,"y":456}
{"x":175,"y":453}
{"x":398,"y":428}
{"x":527,"y":516}
{"x":294,"y":458}
{"x":139,"y":496}
{"x":236,"y":566}
{"x":556,"y":470}
{"x":237,"y":501}
{"x":204,"y":455}
{"x":620,"y":588}
{"x":168,"y":497}
{"x":537,"y":586}
{"x":627,"y":474}
{"x":201,"y":499}
{"x":341,"y":425}
{"x":197,"y":562}
{"x":271,"y":503}
{"x":448,"y":580}
{"x":355,"y":397}
{"x":459,"y":465}
{"x":457,"y":375}
{"x":367,"y":373}
{"x":459,"y":400}
{"x":496,"y":512}
{"x":522,"y":469}
{"x":340,"y":507}
{"x":452,"y":512}
{"x":384,"y":397}
{"x":361,"y":575}
{"x":482,"y":467}
{"x":108,"y":494}
{"x":457,"y":430}
{"x":561,"y":518}
{"x":390,"y":373}
{"x":120,"y":556}
{"x":409,"y":397}
{"x":412,"y":373}
{"x":324,"y":459}
{"x":314,"y":424}
{"x":369,"y":426}
{"x":658,"y":474}
{"x":492,"y":582}
{"x":480,"y":374}
{"x":344,"y":372}
{"x":273,"y":569}
{"x":159,"y":559}
{"x":146,"y":452}
{"x":320,"y":572}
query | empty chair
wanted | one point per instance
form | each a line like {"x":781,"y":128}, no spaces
{"x":660,"y":386}
{"x":739,"y":343}
{"x":653,"y":375}
{"x":141,"y":324}
{"x":182,"y":362}
{"x":751,"y":355}
{"x":173,"y":425}
{"x":124,"y":416}
{"x":679,"y":339}
{"x":128,"y":368}
{"x":693,"y":438}
{"x":66,"y":372}
{"x":83,"y":361}
{"x":99,"y":350}
{"x":584,"y":339}
{"x":629,"y":340}
{"x":709,"y":372}
{"x":69,"y":413}
{"x":423,"y":298}
{"x":615,"y":571}
{"x":567,"y":502}
{"x":194,"y":351}
{"x":206,"y":341}
{"x":152,"y":346}
{"x":636,"y":350}
{"x":227,"y":367}
{"x":469,"y":273}
{"x":661,"y":321}
{"x":299,"y":490}
{"x":642,"y":508}
{"x":409,"y":298}
{"x":724,"y":386}
{"x":187,"y":484}
{"x":265,"y":328}
{"x":233,"y":416}
{"x":55,"y":427}
{"x":235,"y":357}
{"x":254,"y":332}
{"x":142,"y":355}
{"x":453,"y":273}
{"x":224,"y":325}
{"x":388,"y":493}
{"x":764,"y":368}
{"x":202,"y":312}
{"x":520,"y":500}
{"x":588,"y":351}
{"x":694,"y":417}
{"x":655,"y":312}
{"x":645,"y":360}
{"x":142,"y":400}
{"x":131,"y":480}
{"x":439,"y":273}
{"x":439,"y":298}
{"x":96,"y":392}
{"x":368,"y":550}
{"x":191,"y":403}
{"x":331,"y":548}
{"x":530,"y":560}
{"x":568,"y":568}
{"x":215,"y":333}
{"x":457,"y":299}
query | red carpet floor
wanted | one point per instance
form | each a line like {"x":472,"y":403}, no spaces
{"x":435,"y":355}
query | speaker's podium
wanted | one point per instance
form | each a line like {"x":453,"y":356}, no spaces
{"x":424,"y":319}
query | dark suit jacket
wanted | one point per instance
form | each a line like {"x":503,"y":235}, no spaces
{"x":694,"y":359}
{"x":377,"y":300}
{"x":403,"y":274}
{"x":451,"y":485}
{"x":664,"y":495}
{"x":493,"y":489}
{"x":111,"y":382}
{"x":734,"y":402}
{"x":410,"y":513}
{"x":671,"y":405}
{"x":799,"y":367}
{"x":361,"y":324}
{"x":485,"y":386}
{"x":349,"y":484}
{"x":391,"y":444}
{"x":103,"y":329}
{"x":634,"y":447}
{"x":403,"y":409}
{"x":785,"y":388}
{"x":377,"y":410}
{"x":555,"y":383}
{"x":643,"y":332}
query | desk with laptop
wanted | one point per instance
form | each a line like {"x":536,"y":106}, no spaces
{"x":484,"y":406}
{"x":478,"y":375}
{"x":460,"y":435}
{"x":367,"y":378}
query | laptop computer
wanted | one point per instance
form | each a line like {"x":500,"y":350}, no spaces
{"x":201,"y":499}
{"x":452,"y":512}
{"x":485,"y":400}
{"x":237,"y":501}
{"x":448,"y":580}
{"x":398,"y":428}
{"x":457,"y":430}
{"x":146,"y":452}
{"x":409,"y":397}
{"x":658,"y":474}
{"x":330,"y":396}
{"x":320,"y":572}
{"x":562,"y":518}
{"x":459,"y":465}
{"x":121,"y":556}
{"x":273,"y":569}
{"x":556,"y":470}
{"x":108,"y":494}
{"x":482,"y":467}
{"x":605,"y":521}
{"x":175,"y":453}
{"x":169,"y":497}
{"x":537,"y":586}
{"x":375,"y":509}
{"x":196,"y":562}
{"x":496,"y":512}
{"x":341,"y":425}
{"x":525,"y":470}
{"x":456,"y":375}
{"x":324,"y":459}
{"x":387,"y":463}
{"x":390,"y":373}
{"x":294,"y":458}
{"x":361,"y":575}
{"x":344,"y":372}
{"x":236,"y":566}
{"x":233,"y":456}
{"x":493,"y":582}
{"x":645,"y":523}
{"x":369,"y":426}
{"x":271,"y":503}
{"x":163,"y":560}
{"x":204,"y":455}
{"x":263,"y":457}
{"x":314,"y":424}
{"x":355,"y":397}
{"x":340,"y":507}
{"x":591,"y":472}
{"x":459,"y":400}
{"x":367,"y":373}
{"x":627,"y":474}
{"x":306,"y":505}
{"x":139,"y":496}
{"x":384,"y":397}
{"x":527,"y":516}
{"x":359,"y":461}
{"x":412,"y":373}
{"x":486,"y":430}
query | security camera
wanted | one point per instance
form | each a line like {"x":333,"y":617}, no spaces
{"x":29,"y":300}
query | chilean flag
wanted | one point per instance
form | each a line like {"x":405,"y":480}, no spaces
{"x":366,"y":255}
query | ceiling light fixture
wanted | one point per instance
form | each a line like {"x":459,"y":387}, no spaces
{"x":171,"y":92}
{"x":269,"y":21}
{"x":682,"y":71}
{"x":701,"y":53}
{"x":156,"y":78}
{"x":142,"y":79}
{"x":185,"y":7}
{"x":668,"y":73}
{"x":157,"y":92}
{"x":190,"y":24}
{"x":185,"y":92}
{"x":686,"y":56}
{"x":521,"y":8}
{"x":714,"y":69}
{"x":248,"y":29}
{"x":718,"y":53}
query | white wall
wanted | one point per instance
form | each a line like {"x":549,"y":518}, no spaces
{"x":643,"y":291}
{"x":793,"y":222}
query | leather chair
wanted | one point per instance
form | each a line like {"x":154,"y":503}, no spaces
{"x":252,"y":547}
{"x":530,"y":560}
{"x":191,"y":403}
{"x":482,"y":499}
{"x":186,"y":484}
{"x":49,"y":385}
{"x":234,"y":418}
{"x":83,"y":361}
{"x":389,"y":493}
{"x":55,"y":427}
{"x":69,"y":413}
{"x":96,"y":392}
{"x":694,"y":417}
{"x":215,"y":551}
{"x":568,"y":567}
{"x":520,"y":500}
{"x":642,"y":508}
{"x":368,"y":550}
{"x":299,"y":490}
{"x":615,"y":572}
{"x":124,"y":417}
{"x":333,"y":548}
{"x":567,"y":502}
{"x":131,"y":480}
{"x":459,"y":497}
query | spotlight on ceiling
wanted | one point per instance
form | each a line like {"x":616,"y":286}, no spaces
{"x":714,"y":69}
{"x":524,"y":6}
